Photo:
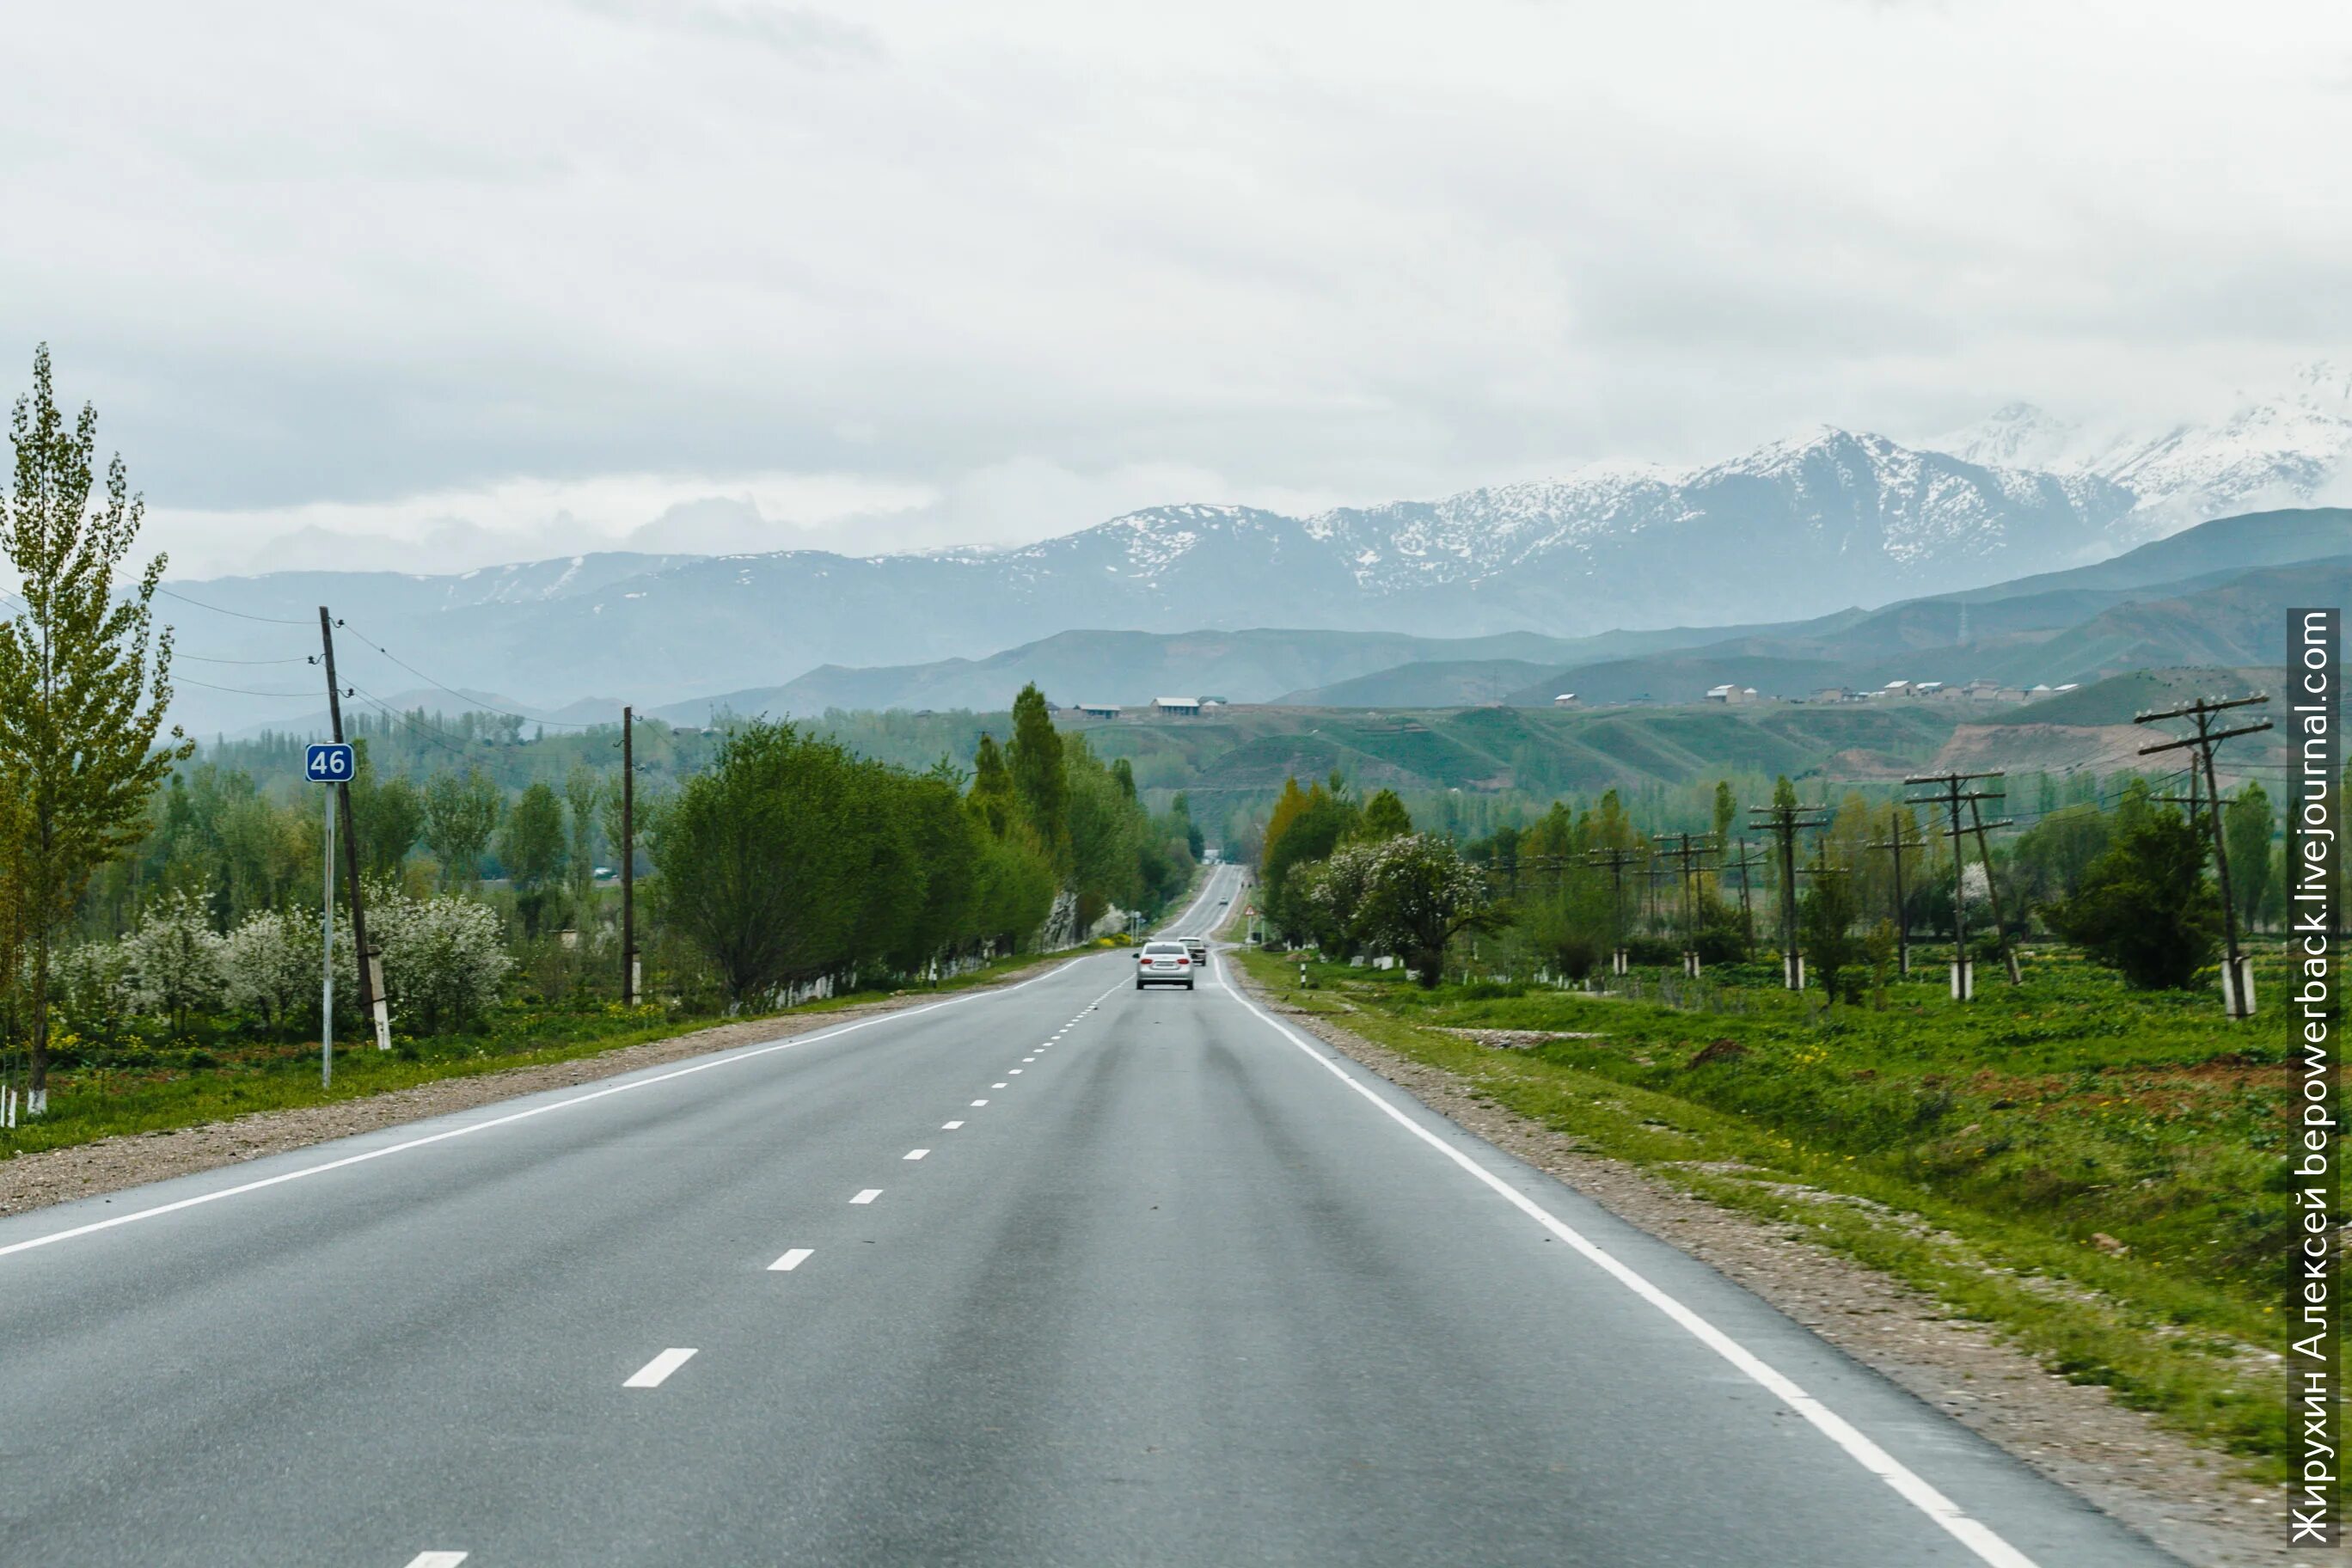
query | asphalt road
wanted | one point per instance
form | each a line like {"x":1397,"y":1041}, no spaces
{"x":1059,"y":1274}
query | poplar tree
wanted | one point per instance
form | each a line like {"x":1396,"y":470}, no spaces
{"x":85,"y":677}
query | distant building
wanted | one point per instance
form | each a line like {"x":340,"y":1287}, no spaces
{"x":1177,"y":707}
{"x":1099,"y":709}
{"x":1832,"y":694}
{"x":1565,"y":700}
{"x":1729,"y":693}
{"x":1895,"y":688}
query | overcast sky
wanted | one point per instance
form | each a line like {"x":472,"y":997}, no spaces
{"x":438,"y":284}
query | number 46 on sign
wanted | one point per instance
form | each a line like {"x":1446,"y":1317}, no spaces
{"x":327,"y":764}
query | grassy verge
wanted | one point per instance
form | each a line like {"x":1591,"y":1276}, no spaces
{"x":143,"y":1089}
{"x":2096,"y":1174}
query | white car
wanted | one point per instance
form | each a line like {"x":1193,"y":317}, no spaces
{"x":1163,"y":964}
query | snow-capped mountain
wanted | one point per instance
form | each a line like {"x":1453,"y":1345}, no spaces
{"x":2292,"y":448}
{"x":1797,"y":528}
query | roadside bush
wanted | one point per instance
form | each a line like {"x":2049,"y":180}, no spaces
{"x":271,"y":964}
{"x":176,"y":963}
{"x":444,"y":958}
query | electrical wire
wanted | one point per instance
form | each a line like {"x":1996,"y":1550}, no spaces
{"x":240,"y":615}
{"x":477,"y":703}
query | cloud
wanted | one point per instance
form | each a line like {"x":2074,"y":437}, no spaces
{"x":1004,"y":262}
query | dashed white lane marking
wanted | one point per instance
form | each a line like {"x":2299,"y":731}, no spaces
{"x":1000,"y":1086}
{"x":917,"y":1154}
{"x":980,"y":1102}
{"x":1908,"y":1484}
{"x":470,"y":1127}
{"x":654,"y":1373}
{"x":437,"y":1560}
{"x":867,"y":1196}
{"x":1012,"y":1072}
{"x":1031,"y":1059}
{"x":949,"y":1126}
{"x":791,"y":1260}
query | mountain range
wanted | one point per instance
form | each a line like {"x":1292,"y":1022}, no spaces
{"x":1800,"y":529}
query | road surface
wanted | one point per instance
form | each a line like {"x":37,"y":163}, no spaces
{"x":1058,"y":1274}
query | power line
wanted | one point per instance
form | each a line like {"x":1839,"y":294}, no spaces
{"x":240,"y":690}
{"x":240,"y":615}
{"x":524,"y":717}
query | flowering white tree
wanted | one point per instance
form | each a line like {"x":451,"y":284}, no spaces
{"x":175,"y":959}
{"x":444,"y":957}
{"x":1418,"y":895}
{"x":272,"y":962}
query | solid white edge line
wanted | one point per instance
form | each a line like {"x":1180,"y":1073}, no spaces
{"x":654,"y":1373}
{"x":512,"y":1117}
{"x":867,"y":1196}
{"x":437,"y":1560}
{"x":1969,"y":1533}
{"x":792,"y":1261}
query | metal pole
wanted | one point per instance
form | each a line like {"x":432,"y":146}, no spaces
{"x":628,"y":861}
{"x":327,"y":958}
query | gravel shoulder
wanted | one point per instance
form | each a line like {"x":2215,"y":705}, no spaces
{"x":111,"y":1164}
{"x":2189,"y":1501}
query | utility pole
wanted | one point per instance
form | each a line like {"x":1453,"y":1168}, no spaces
{"x":628,"y":860}
{"x":370,"y":961}
{"x":1616,"y":860}
{"x":1747,"y":910}
{"x":1993,"y":888}
{"x":2237,"y":975}
{"x":1784,"y":823}
{"x":1964,"y":974}
{"x":1896,"y":843}
{"x":1682,"y":847}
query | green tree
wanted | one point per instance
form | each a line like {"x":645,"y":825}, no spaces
{"x":85,"y":678}
{"x":2146,"y":908}
{"x":992,"y":799}
{"x":1418,"y":895}
{"x":1384,"y":818}
{"x":1039,"y":780}
{"x":583,"y":801}
{"x":757,"y":854}
{"x":388,"y":814}
{"x":461,"y":813}
{"x":1825,"y":928}
{"x":2247,"y":824}
{"x":531,"y":850}
{"x":1726,"y":811}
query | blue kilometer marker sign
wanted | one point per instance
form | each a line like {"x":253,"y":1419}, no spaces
{"x":327,"y":764}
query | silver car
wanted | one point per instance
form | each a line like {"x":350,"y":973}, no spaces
{"x":1163,"y":964}
{"x":1199,"y":950}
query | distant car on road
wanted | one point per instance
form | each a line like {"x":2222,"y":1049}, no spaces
{"x":1198,"y":948}
{"x":1163,"y":964}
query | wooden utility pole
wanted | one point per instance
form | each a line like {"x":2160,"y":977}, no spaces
{"x":367,"y":962}
{"x":628,"y":861}
{"x":1964,"y":980}
{"x":2236,"y":978}
{"x":1688,"y":849}
{"x":1747,"y":910}
{"x":1897,"y":846}
{"x":1616,"y":860}
{"x":1784,"y":823}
